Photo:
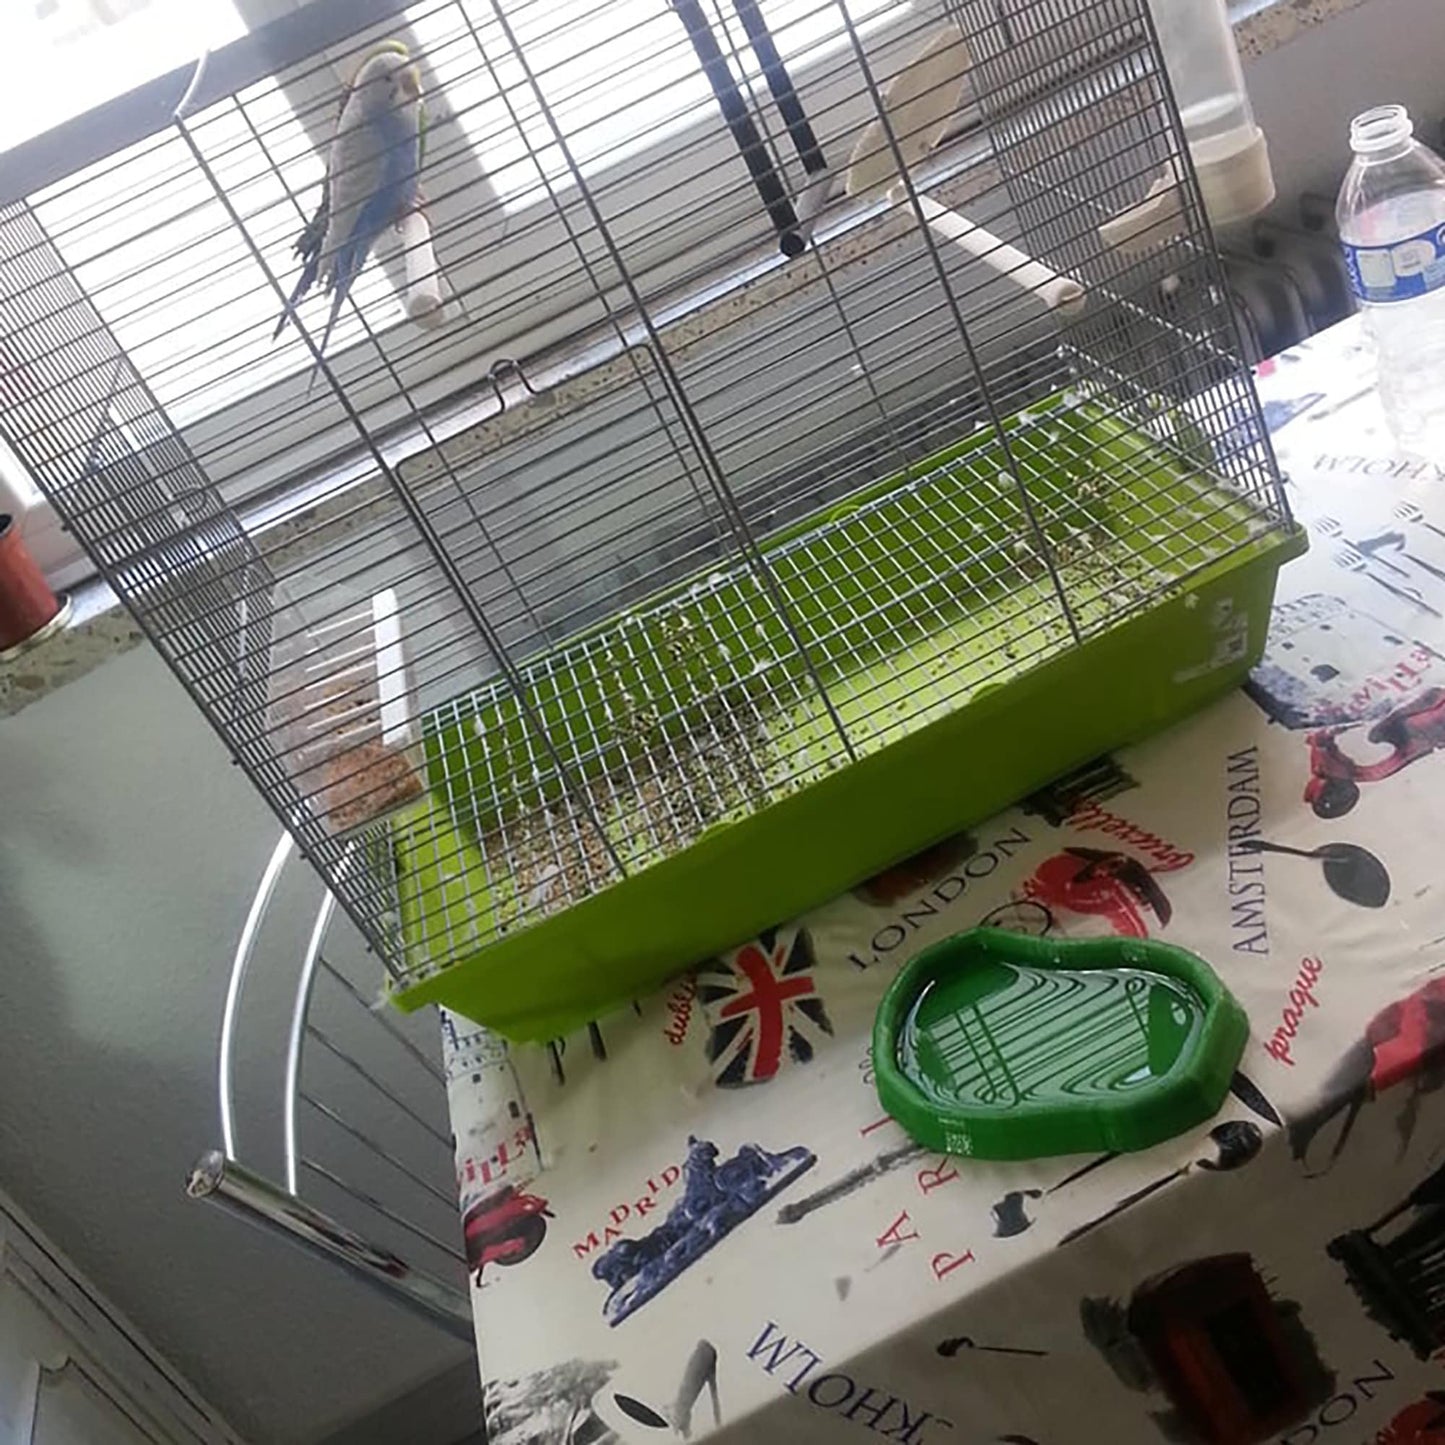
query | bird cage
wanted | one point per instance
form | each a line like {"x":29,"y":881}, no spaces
{"x":743,"y":442}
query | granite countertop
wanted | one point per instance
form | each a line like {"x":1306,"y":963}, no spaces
{"x":1264,"y":25}
{"x":100,"y":628}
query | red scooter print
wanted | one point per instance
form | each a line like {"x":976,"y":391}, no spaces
{"x":1411,"y":731}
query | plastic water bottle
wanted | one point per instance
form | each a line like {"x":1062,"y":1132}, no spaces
{"x":1391,"y":215}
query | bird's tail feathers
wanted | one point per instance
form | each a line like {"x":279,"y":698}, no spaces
{"x":337,"y":297}
{"x":307,"y":250}
{"x":304,"y":283}
{"x":348,"y":263}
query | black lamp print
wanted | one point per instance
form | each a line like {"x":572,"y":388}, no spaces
{"x":1397,"y":1266}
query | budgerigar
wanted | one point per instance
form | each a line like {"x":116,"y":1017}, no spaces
{"x":372,"y":177}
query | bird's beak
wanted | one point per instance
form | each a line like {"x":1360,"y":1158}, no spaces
{"x":410,"y":82}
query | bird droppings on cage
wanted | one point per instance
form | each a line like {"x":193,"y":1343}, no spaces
{"x":670,"y":794}
{"x":726,"y":602}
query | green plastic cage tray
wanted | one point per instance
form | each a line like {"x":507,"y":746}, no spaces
{"x":704,"y":793}
{"x":994,"y":1045}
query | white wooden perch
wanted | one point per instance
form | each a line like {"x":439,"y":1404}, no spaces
{"x":424,"y":301}
{"x":919,"y":104}
{"x":1058,"y":293}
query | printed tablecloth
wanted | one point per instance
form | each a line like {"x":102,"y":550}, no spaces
{"x":697,"y":1222}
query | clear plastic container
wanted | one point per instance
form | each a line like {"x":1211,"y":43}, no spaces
{"x":1228,"y":148}
{"x":341,"y":708}
{"x":1391,"y":216}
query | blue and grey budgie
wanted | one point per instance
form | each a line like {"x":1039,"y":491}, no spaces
{"x":372,"y":178}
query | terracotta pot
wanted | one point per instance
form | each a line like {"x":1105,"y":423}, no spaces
{"x":27,"y":605}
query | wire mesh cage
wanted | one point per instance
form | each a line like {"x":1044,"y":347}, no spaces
{"x":748,"y":422}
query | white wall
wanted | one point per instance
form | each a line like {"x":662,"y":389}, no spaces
{"x":129,"y":849}
{"x":1306,"y":93}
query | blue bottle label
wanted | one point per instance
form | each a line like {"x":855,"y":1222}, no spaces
{"x":1399,"y":272}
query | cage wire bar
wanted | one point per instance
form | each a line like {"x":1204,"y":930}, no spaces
{"x":658,"y":528}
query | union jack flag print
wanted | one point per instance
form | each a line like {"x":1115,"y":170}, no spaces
{"x":762,"y":1006}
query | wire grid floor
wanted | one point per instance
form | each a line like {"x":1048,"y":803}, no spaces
{"x":698,"y":711}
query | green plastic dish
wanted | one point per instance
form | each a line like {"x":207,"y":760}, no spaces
{"x":997,"y":1045}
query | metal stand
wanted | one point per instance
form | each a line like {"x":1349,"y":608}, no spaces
{"x":250,"y":1197}
{"x":364,"y":1125}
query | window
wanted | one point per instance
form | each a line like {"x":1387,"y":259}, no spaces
{"x":619,"y":78}
{"x":147,"y":237}
{"x":169,"y":291}
{"x":78,"y":54}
